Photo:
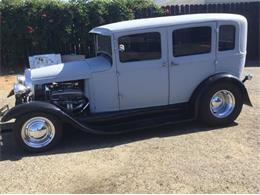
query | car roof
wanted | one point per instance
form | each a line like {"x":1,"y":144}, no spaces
{"x":147,"y":23}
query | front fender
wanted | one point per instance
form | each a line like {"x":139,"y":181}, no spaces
{"x":44,"y":107}
{"x":219,"y":77}
{"x":34,"y":106}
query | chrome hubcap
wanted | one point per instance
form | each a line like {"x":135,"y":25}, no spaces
{"x":38,"y":132}
{"x":222,"y":104}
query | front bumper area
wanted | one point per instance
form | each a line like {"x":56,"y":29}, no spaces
{"x":4,"y":110}
{"x":5,"y":126}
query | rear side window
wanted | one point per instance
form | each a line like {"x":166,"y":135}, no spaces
{"x":137,"y":47}
{"x":227,"y":34}
{"x":191,"y":41}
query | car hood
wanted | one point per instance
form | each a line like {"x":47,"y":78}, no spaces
{"x":75,"y":70}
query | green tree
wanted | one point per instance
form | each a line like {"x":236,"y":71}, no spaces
{"x":30,"y":27}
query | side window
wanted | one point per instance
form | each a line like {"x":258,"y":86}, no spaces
{"x":227,"y":34}
{"x":137,"y":47}
{"x":191,"y":41}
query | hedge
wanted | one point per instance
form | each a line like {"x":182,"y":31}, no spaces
{"x":30,"y":27}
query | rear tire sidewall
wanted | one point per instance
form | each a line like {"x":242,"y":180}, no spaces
{"x":21,"y":145}
{"x":205,"y":113}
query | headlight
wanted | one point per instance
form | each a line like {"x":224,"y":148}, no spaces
{"x":20,"y":79}
{"x":19,"y":89}
{"x":22,"y":85}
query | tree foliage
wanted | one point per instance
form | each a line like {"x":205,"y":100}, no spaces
{"x":30,"y":27}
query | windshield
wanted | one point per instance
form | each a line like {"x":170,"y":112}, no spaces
{"x":103,"y":45}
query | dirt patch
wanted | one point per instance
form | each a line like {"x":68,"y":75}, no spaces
{"x":6,"y":84}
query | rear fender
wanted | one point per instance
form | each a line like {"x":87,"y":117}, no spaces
{"x":212,"y":80}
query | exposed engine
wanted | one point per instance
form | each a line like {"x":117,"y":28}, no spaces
{"x":69,"y":96}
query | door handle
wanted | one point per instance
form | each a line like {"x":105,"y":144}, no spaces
{"x":164,"y":64}
{"x":174,"y":63}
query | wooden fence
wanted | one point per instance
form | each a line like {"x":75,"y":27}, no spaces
{"x":250,"y":10}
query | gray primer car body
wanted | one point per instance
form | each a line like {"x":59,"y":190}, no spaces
{"x":122,"y":86}
{"x":188,"y":67}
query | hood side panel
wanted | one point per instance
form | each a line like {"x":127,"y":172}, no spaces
{"x":75,"y":70}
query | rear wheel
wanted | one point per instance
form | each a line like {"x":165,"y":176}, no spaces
{"x":37,"y":132}
{"x":221,"y":105}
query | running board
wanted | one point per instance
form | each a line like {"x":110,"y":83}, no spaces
{"x":137,"y":123}
{"x":133,"y":114}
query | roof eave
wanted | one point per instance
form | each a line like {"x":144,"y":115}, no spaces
{"x":101,"y":31}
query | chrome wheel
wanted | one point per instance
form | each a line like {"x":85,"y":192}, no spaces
{"x":222,"y":104}
{"x":38,"y":132}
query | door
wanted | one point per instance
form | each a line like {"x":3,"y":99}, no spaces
{"x":142,"y":66}
{"x":230,"y":58}
{"x":191,"y":58}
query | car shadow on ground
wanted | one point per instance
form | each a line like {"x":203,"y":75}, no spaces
{"x":77,"y":141}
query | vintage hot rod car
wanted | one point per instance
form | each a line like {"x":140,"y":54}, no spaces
{"x":146,"y":73}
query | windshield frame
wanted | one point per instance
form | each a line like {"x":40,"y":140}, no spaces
{"x":108,"y":53}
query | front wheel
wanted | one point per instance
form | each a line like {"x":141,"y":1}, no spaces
{"x":37,"y":132}
{"x":221,"y":105}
